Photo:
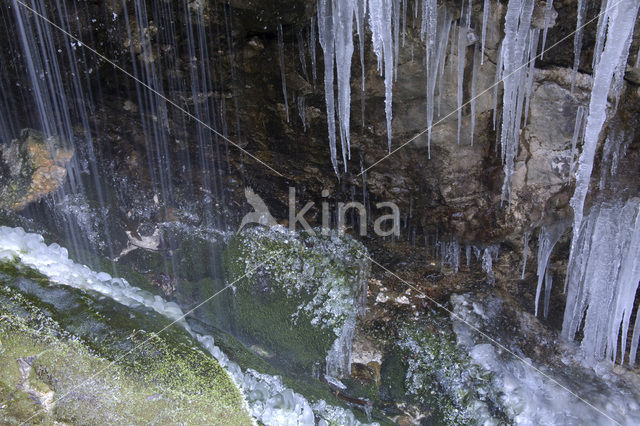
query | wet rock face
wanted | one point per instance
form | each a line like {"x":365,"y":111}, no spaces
{"x":456,"y":191}
{"x":30,"y":169}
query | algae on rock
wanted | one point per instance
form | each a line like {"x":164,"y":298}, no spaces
{"x":76,"y":358}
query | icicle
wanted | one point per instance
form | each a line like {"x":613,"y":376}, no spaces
{"x":615,"y":145}
{"x":605,"y":248}
{"x":442,"y":59}
{"x":404,"y":21}
{"x":601,"y":31}
{"x":618,"y":75}
{"x":603,"y":280}
{"x":547,"y":19}
{"x":396,"y":37}
{"x":303,"y":59}
{"x":454,"y":41}
{"x":450,"y":254}
{"x":578,"y":130}
{"x":525,"y":253}
{"x":380,"y":21}
{"x":485,"y":18}
{"x":343,"y":14}
{"x":547,"y":240}
{"x":302,"y":111}
{"x":517,"y":24}
{"x":533,"y":52}
{"x":282,"y":69}
{"x":312,"y":48}
{"x":490,"y":253}
{"x":361,"y":10}
{"x":496,"y":81}
{"x":462,"y":51}
{"x":326,"y":36}
{"x":467,"y":254}
{"x":577,"y":40}
{"x":434,"y":62}
{"x":622,"y":19}
{"x":474,"y":79}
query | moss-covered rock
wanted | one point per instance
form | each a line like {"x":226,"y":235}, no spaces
{"x":79,"y":358}
{"x":297,"y":295}
{"x":441,"y":378}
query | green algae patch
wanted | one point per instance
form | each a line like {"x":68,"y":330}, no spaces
{"x":78,"y":358}
{"x":297,"y":295}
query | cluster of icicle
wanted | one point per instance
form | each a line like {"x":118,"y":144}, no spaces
{"x":449,"y":252}
{"x":335,"y":33}
{"x":604,"y":264}
{"x":387,"y":22}
{"x":515,"y":68}
{"x":268,"y":400}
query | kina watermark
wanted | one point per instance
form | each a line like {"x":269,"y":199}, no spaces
{"x":386,"y":224}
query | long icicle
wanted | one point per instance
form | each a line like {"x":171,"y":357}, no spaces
{"x":577,"y":41}
{"x":485,"y":18}
{"x":547,"y":20}
{"x":326,"y":36}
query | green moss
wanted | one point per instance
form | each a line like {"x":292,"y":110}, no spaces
{"x":196,"y":258}
{"x":293,"y":293}
{"x":216,"y":311}
{"x":75,"y":337}
{"x":392,"y":377}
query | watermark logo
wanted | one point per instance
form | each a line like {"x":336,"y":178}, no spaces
{"x":384,"y":225}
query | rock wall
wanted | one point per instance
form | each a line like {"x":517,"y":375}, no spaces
{"x":455,"y":194}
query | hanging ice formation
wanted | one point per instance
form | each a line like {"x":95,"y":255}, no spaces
{"x":335,"y":31}
{"x":514,"y":71}
{"x":621,"y":21}
{"x":603,"y":270}
{"x":577,"y":40}
{"x":474,"y":84}
{"x":615,"y":147}
{"x":603,"y":278}
{"x":450,"y":254}
{"x":578,"y":132}
{"x":488,"y":256}
{"x":548,"y":11}
{"x":525,"y":253}
{"x":327,"y":41}
{"x":436,"y":49}
{"x":547,"y":240}
{"x":485,"y":18}
{"x":282,"y":69}
{"x":380,"y":22}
